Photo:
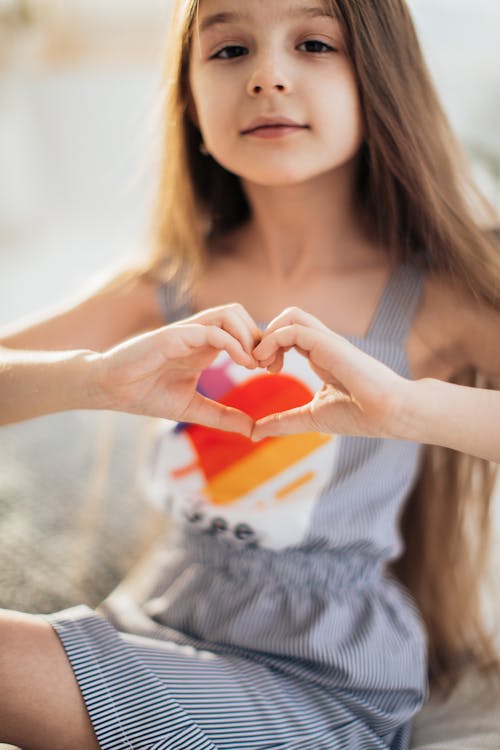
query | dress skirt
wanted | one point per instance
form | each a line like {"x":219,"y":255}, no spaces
{"x":149,"y":684}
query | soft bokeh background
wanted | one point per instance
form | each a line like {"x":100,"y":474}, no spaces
{"x":78,"y":80}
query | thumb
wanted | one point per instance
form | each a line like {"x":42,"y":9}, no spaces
{"x":210,"y":413}
{"x":288,"y":422}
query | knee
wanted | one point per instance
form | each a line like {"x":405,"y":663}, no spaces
{"x":22,"y":638}
{"x":21,"y":653}
{"x":40,"y":702}
{"x":16,"y":630}
{"x":13,"y":645}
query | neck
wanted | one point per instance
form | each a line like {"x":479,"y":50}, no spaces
{"x":312,"y":227}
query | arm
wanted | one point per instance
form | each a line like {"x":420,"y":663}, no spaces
{"x":361,"y":396}
{"x":45,"y":358}
{"x":33,"y":383}
{"x":465,"y":419}
{"x":100,"y":315}
{"x":153,"y":374}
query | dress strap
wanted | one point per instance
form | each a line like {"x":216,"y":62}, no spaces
{"x":395,"y":311}
{"x":175,"y":304}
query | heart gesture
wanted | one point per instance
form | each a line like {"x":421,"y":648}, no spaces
{"x":360,"y":395}
{"x":156,"y":374}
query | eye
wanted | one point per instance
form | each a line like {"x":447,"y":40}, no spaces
{"x":229,"y":52}
{"x":314,"y":45}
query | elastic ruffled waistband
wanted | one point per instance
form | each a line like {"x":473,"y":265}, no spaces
{"x":297,"y":566}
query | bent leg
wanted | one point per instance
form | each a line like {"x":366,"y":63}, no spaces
{"x":41,"y":707}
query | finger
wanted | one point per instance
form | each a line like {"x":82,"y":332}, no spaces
{"x":210,"y":413}
{"x":269,"y":360}
{"x":293,"y":421}
{"x":239,"y":324}
{"x":252,"y":326}
{"x":236,"y":320}
{"x":289,"y":336}
{"x":224,"y":341}
{"x":295,"y":315}
{"x":329,"y":352}
{"x":277,"y":363}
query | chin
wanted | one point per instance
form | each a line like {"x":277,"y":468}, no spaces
{"x":275,"y":177}
{"x":284,"y":172}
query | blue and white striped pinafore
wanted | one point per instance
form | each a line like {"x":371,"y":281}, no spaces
{"x":270,"y":620}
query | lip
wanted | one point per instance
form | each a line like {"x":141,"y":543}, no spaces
{"x":272,"y":122}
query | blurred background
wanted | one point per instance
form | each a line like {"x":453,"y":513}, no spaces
{"x":78,"y":80}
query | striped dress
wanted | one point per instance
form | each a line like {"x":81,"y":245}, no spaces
{"x":270,"y":620}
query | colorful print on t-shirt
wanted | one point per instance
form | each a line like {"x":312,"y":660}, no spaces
{"x":223,"y":483}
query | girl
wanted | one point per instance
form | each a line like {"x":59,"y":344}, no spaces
{"x":307,"y":164}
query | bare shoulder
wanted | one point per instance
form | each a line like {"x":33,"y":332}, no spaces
{"x":140,"y":295}
{"x":107,"y":309}
{"x":452,"y":330}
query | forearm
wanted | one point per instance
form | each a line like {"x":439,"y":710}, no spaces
{"x":33,"y":383}
{"x":458,"y":417}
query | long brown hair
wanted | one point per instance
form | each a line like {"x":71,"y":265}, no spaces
{"x":423,"y":207}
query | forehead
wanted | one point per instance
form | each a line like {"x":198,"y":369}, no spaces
{"x":219,"y":12}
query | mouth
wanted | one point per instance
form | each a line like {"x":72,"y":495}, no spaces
{"x":272,"y":126}
{"x":272,"y":130}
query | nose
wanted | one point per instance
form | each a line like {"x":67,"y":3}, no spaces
{"x":268,"y":76}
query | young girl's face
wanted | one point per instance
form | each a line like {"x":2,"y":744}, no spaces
{"x":259,"y":63}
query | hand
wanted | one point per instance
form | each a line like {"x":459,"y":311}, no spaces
{"x":360,"y":395}
{"x":156,"y":373}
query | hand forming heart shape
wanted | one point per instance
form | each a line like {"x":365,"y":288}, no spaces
{"x":360,"y":395}
{"x":157,"y":373}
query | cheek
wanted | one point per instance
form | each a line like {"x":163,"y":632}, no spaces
{"x":213,"y":109}
{"x":353,"y":107}
{"x":208,"y":102}
{"x":200,"y":97}
{"x":343,"y":111}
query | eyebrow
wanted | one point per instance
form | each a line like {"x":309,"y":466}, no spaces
{"x":218,"y":19}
